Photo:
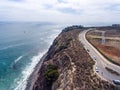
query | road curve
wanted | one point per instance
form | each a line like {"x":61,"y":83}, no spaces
{"x":101,"y":61}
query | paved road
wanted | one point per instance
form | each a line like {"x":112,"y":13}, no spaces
{"x":101,"y":62}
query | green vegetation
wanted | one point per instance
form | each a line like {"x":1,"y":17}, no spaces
{"x":73,"y":28}
{"x":112,"y":71}
{"x":55,"y":42}
{"x":68,"y":41}
{"x":116,"y":25}
{"x":51,"y":74}
{"x":60,"y":48}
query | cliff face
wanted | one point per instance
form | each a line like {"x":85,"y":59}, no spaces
{"x":68,"y":66}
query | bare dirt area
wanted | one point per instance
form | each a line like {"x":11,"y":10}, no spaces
{"x":111,"y":47}
{"x":111,"y":52}
{"x":112,"y":33}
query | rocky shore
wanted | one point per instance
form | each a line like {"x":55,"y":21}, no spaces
{"x":67,"y":66}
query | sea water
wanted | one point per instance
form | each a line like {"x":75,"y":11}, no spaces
{"x":22,"y":44}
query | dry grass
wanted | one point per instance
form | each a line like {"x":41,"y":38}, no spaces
{"x":111,"y":48}
{"x":110,"y":52}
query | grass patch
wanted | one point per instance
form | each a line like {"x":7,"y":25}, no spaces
{"x":112,"y":71}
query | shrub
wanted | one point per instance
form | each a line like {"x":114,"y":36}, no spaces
{"x":61,"y":48}
{"x":68,"y":41}
{"x":55,"y":42}
{"x":51,"y":74}
{"x":72,"y":28}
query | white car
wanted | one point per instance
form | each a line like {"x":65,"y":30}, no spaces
{"x":96,"y":69}
{"x":94,"y":57}
{"x":117,"y":82}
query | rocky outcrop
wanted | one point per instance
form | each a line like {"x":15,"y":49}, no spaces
{"x":68,"y":66}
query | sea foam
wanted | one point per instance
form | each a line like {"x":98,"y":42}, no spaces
{"x":20,"y":83}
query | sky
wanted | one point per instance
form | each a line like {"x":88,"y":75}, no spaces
{"x":61,"y":11}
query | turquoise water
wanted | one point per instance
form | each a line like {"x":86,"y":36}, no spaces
{"x":21,"y":47}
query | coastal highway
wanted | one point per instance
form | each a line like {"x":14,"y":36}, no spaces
{"x":101,"y":61}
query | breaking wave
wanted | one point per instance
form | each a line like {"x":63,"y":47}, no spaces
{"x":21,"y":82}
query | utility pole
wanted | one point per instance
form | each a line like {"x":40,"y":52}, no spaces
{"x":103,"y":37}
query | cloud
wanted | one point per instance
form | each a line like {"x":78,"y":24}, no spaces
{"x":16,"y":0}
{"x":61,"y":11}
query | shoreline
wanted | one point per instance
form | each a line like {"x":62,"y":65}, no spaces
{"x":34,"y":75}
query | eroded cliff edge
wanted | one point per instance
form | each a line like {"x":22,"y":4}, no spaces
{"x":68,"y":66}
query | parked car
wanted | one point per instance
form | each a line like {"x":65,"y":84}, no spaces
{"x":117,"y":82}
{"x":96,"y":69}
{"x":88,"y":50}
{"x":94,"y":57}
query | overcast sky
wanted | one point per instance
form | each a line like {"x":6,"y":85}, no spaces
{"x":61,"y":11}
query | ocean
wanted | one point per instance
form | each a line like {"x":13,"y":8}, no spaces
{"x":22,"y":44}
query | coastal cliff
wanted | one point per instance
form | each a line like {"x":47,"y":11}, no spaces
{"x":67,"y":66}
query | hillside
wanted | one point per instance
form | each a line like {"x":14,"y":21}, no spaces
{"x":68,"y":66}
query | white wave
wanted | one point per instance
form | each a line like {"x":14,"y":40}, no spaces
{"x":18,"y":59}
{"x":20,"y":83}
{"x":15,"y":61}
{"x":10,"y":46}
